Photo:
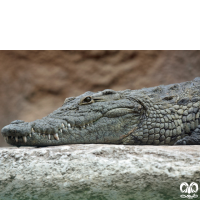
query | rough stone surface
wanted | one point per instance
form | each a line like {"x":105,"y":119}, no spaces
{"x":34,"y":83}
{"x":97,"y":172}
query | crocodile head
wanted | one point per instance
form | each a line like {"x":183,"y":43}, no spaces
{"x":102,"y":117}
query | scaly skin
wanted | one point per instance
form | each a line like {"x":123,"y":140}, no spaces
{"x":163,"y":115}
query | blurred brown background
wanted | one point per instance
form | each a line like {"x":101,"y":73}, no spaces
{"x":34,"y":83}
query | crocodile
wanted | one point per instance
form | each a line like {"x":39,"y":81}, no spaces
{"x":162,"y":115}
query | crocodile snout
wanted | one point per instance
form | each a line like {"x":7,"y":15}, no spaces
{"x":22,"y":133}
{"x":16,"y":130}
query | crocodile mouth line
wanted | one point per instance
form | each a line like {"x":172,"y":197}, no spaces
{"x":53,"y":136}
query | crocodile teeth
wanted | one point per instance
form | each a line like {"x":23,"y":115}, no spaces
{"x":39,"y":134}
{"x":32,"y":130}
{"x":69,"y":125}
{"x":24,"y":139}
{"x":63,"y":125}
{"x":49,"y":136}
{"x":16,"y":139}
{"x":5,"y":138}
{"x":61,"y":130}
{"x":30,"y":135}
{"x":84,"y":126}
{"x":56,"y":136}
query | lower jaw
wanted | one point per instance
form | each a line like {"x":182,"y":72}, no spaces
{"x":43,"y":142}
{"x":35,"y":141}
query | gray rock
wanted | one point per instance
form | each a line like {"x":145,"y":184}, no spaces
{"x":97,"y":172}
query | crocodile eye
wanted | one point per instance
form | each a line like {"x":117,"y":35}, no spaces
{"x":87,"y":100}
